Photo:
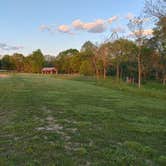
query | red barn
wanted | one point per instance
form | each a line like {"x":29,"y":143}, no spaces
{"x":49,"y":70}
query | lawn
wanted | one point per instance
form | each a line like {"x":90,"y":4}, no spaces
{"x":65,"y":121}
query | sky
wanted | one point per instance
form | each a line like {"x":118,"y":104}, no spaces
{"x":56,"y":25}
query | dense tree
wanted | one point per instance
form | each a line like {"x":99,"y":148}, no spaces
{"x":123,"y":50}
{"x":86,"y":68}
{"x":92,"y":52}
{"x":160,"y":35}
{"x":158,"y":44}
{"x":75,"y":62}
{"x":18,"y":62}
{"x":64,"y":60}
{"x":6,"y":63}
{"x":36,"y":61}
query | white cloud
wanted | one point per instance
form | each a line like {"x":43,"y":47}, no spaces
{"x":112,"y":19}
{"x":139,"y":20}
{"x":145,"y":32}
{"x":6,"y":47}
{"x":64,"y":29}
{"x":97,"y":26}
{"x":78,"y":24}
{"x":129,"y":16}
{"x":2,"y":45}
{"x":45,"y":28}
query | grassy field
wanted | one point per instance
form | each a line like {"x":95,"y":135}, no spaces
{"x":80,"y":122}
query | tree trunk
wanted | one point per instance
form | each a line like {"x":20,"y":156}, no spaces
{"x":121,"y":73}
{"x":105,"y":71}
{"x":96,"y":68}
{"x":117,"y":71}
{"x":97,"y":74}
{"x":164,"y":80}
{"x":139,"y":70}
{"x":156,"y":75}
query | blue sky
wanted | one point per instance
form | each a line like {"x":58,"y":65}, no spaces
{"x":26,"y":25}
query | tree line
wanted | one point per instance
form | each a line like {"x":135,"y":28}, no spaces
{"x":133,"y":60}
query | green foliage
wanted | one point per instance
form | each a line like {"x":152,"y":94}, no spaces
{"x":18,"y":61}
{"x":36,"y":61}
{"x":32,"y":63}
{"x":6,"y":63}
{"x":81,"y":151}
{"x":65,"y":59}
{"x":160,"y":35}
{"x":133,"y":146}
{"x":88,"y":47}
{"x":162,"y":160}
{"x":148,"y":151}
{"x":86,"y":68}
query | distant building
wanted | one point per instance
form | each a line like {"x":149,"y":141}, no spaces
{"x":49,"y":70}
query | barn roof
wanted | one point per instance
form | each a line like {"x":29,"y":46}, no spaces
{"x":49,"y":68}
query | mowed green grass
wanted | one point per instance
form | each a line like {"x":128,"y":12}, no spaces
{"x":57,"y":121}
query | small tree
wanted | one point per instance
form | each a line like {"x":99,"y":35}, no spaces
{"x":136,"y":27}
{"x":92,"y":51}
{"x":104,"y":52}
{"x":18,"y":61}
{"x":122,"y":49}
{"x":37,"y":61}
{"x":7,"y":63}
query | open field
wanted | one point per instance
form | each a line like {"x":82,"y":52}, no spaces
{"x":73,"y":121}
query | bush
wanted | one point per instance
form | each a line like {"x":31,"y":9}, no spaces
{"x":81,"y":151}
{"x":133,"y":146}
{"x":162,"y":160}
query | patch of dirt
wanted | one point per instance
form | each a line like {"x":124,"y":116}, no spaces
{"x":50,"y":118}
{"x":45,"y":109}
{"x":4,"y":75}
{"x":55,"y":127}
{"x":52,"y":126}
{"x":65,"y":133}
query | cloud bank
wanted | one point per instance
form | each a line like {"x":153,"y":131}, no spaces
{"x":96,"y":26}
